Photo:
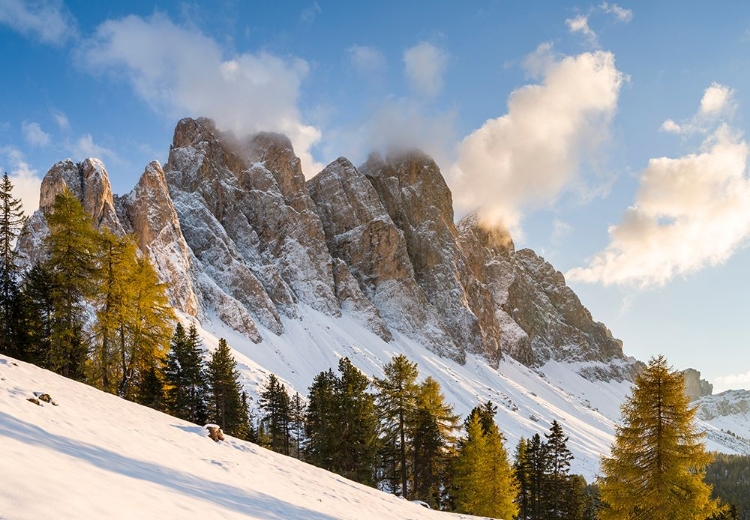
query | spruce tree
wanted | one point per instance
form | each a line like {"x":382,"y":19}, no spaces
{"x":185,"y":377}
{"x":225,"y":399}
{"x":72,"y":267}
{"x":557,"y":485}
{"x":658,"y":459}
{"x":321,"y":421}
{"x":274,"y":401}
{"x":397,"y":403}
{"x":11,"y":221}
{"x":522,"y":474}
{"x":297,"y":424}
{"x":37,"y":316}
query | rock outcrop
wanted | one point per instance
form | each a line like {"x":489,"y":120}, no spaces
{"x":695,"y":387}
{"x":234,"y":230}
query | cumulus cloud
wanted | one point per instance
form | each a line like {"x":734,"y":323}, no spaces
{"x":367,"y":61}
{"x":732,"y":382}
{"x":527,"y":157}
{"x":47,"y":21}
{"x":26,"y":181}
{"x":581,"y":24}
{"x":717,"y":103}
{"x":34,"y":135}
{"x":424,"y":66}
{"x":689,"y":213}
{"x":620,"y":13}
{"x":182,"y":72}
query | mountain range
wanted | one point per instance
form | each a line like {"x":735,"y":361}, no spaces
{"x":367,"y":262}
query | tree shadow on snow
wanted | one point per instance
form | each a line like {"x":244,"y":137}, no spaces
{"x":247,"y":502}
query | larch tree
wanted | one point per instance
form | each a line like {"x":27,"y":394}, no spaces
{"x":658,"y":458}
{"x":72,"y":266}
{"x":12,"y":220}
{"x":397,"y":404}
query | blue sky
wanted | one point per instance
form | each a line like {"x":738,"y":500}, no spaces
{"x":609,"y":138}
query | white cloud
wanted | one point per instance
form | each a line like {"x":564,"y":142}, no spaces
{"x":689,"y":213}
{"x":581,"y":24}
{"x":716,"y":100}
{"x":671,"y":127}
{"x":367,"y":61}
{"x":26,"y":181}
{"x":622,"y":14}
{"x":34,"y":134}
{"x":527,"y":157}
{"x":560,"y":230}
{"x":716,"y":104}
{"x":45,"y":20}
{"x":424,"y":66}
{"x":61,"y":119}
{"x":85,"y":147}
{"x":181,"y":72}
{"x":732,"y":382}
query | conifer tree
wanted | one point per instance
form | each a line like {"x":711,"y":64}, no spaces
{"x":151,"y":389}
{"x":433,"y":436}
{"x":185,"y":377}
{"x":225,"y":400}
{"x":11,"y":221}
{"x":321,"y":421}
{"x":397,"y":403}
{"x":37,"y":316}
{"x":658,"y":459}
{"x":522,"y":474}
{"x":297,"y":424}
{"x":274,"y":401}
{"x":72,"y":266}
{"x":483,"y":476}
{"x":557,"y":485}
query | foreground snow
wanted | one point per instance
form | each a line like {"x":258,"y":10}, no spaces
{"x":97,"y":456}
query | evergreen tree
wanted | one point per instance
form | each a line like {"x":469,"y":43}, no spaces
{"x":397,"y":403}
{"x":538,"y":463}
{"x":433,"y":437}
{"x":225,"y":400}
{"x":522,"y":473}
{"x":11,"y":221}
{"x":185,"y":377}
{"x":37,"y":316}
{"x":72,"y":267}
{"x":557,"y":486}
{"x":297,"y":424}
{"x":151,"y":389}
{"x":274,"y":401}
{"x":658,"y":459}
{"x":321,"y":421}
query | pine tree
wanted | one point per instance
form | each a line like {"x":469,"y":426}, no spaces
{"x":72,"y":266}
{"x":11,"y":221}
{"x":297,"y":424}
{"x":658,"y":460}
{"x":538,"y":461}
{"x":151,"y":389}
{"x":397,"y":403}
{"x":185,"y":377}
{"x":37,"y":316}
{"x":433,"y":436}
{"x":225,"y":400}
{"x":522,"y":474}
{"x":274,"y":401}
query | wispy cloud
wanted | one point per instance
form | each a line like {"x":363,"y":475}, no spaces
{"x":47,"y":21}
{"x":690,"y":212}
{"x":526,"y":158}
{"x":620,"y":13}
{"x":308,"y":15}
{"x":367,"y":61}
{"x":85,"y":147}
{"x":732,"y":382}
{"x":580,"y":24}
{"x":61,"y":119}
{"x":181,"y":72}
{"x":716,"y":104}
{"x":34,"y":135}
{"x":424,"y":67}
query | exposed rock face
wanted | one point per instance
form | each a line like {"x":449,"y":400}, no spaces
{"x":148,"y":212}
{"x":235,"y":232}
{"x":360,"y":233}
{"x":695,"y":387}
{"x":415,"y":195}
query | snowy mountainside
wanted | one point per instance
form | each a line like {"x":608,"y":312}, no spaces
{"x":94,"y":455}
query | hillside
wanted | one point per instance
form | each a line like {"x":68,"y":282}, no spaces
{"x":97,"y":456}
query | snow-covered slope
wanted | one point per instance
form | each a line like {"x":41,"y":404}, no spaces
{"x":97,"y":456}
